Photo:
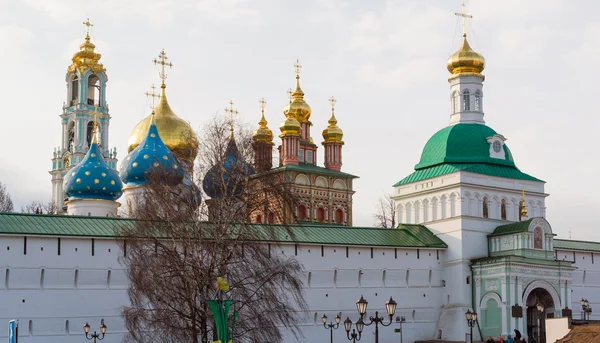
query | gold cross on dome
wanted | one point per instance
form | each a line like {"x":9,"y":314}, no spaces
{"x":297,"y":67}
{"x":153,"y":95}
{"x":162,"y":60}
{"x":464,"y":18}
{"x":263,"y":103}
{"x":332,"y":101}
{"x":88,"y":24}
{"x":289,"y":93}
{"x":231,"y":112}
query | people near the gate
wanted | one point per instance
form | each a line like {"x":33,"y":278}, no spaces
{"x":490,"y":340}
{"x":517,"y":335}
{"x":502,"y":339}
{"x":510,"y":339}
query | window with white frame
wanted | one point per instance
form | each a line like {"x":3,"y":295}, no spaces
{"x":466,"y":100}
{"x":455,"y":102}
{"x":477,"y":101}
{"x":301,"y":155}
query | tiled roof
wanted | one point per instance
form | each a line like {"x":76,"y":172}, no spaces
{"x":512,"y":228}
{"x":477,"y":168}
{"x":588,"y":333}
{"x":416,"y":236}
{"x":568,"y":244}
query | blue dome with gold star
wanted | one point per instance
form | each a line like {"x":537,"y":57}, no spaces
{"x":231,"y":170}
{"x":92,"y":178}
{"x":150,"y":156}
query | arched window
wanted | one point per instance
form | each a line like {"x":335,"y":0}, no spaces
{"x":258,"y":218}
{"x":466,"y":100}
{"x":90,"y":132}
{"x":71,"y":129}
{"x":339,"y":216}
{"x":302,"y":212}
{"x":503,"y":209}
{"x":93,"y":90}
{"x":271,"y":218}
{"x":477,"y":101}
{"x":74,"y":89}
{"x":485,"y":207}
{"x":321,"y":214}
{"x":455,"y":102}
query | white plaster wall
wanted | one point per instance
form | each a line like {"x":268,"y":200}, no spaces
{"x":556,"y":328}
{"x":54,"y":295}
{"x":586,"y":280}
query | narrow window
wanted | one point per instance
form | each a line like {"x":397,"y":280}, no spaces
{"x":485,"y":207}
{"x":503,"y":209}
{"x":302,"y":212}
{"x":477,"y":102}
{"x":347,"y":252}
{"x":466,"y":100}
{"x":371,"y":252}
{"x":269,"y":250}
{"x":417,"y":253}
{"x":321,"y":214}
{"x":396,"y":253}
{"x":42,"y":278}
{"x":455,"y":102}
{"x":58,"y":246}
{"x":296,"y":249}
{"x":74,"y":89}
{"x":339,"y":216}
{"x":258,"y":219}
{"x":125,"y":249}
{"x":438,"y":254}
{"x":301,"y":155}
{"x":468,"y":280}
{"x":271,"y":218}
{"x":322,"y":251}
{"x":25,"y":245}
{"x":94,"y":247}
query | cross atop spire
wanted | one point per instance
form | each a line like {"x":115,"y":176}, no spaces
{"x":162,"y":61}
{"x":153,"y":95}
{"x":297,"y":67}
{"x":88,"y":24}
{"x":332,"y":101}
{"x":231,"y":112}
{"x":262,"y":103}
{"x":464,"y":18}
{"x":289,"y":93}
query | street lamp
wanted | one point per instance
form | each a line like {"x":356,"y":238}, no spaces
{"x":540,"y":308}
{"x":332,"y":326}
{"x":471,"y":320}
{"x":360,"y":325}
{"x":390,"y":306}
{"x":400,"y":320}
{"x":585,"y":306}
{"x":94,"y":336}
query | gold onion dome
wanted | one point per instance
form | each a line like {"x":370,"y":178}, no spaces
{"x":297,"y":106}
{"x":290,"y":127}
{"x":175,"y":132}
{"x":465,"y":60}
{"x":86,"y":58}
{"x":263,"y":134}
{"x":333,"y":133}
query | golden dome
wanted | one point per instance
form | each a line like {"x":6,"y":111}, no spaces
{"x":86,"y":58}
{"x":298,"y":107}
{"x":290,"y":127}
{"x":465,"y":60}
{"x":263,"y":134}
{"x":175,"y":132}
{"x":333,"y":133}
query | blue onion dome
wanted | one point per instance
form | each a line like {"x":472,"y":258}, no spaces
{"x":227,"y":177}
{"x":92,"y":178}
{"x":190,"y":190}
{"x":150,"y":156}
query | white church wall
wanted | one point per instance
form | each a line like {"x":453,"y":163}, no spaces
{"x":586,"y":280}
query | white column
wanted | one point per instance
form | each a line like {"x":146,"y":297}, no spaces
{"x":503,"y":290}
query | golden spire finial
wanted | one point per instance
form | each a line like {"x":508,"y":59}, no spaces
{"x":297,"y":67}
{"x":162,"y":60}
{"x":332,"y":101}
{"x":153,"y":95}
{"x":87,"y":24}
{"x":523,"y":205}
{"x":464,"y":18}
{"x":96,"y":114}
{"x":231,"y":112}
{"x":263,"y":103}
{"x":290,"y":93}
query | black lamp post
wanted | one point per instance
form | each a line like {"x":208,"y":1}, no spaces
{"x":390,"y":306}
{"x":360,"y":325}
{"x":587,"y":310}
{"x":331,"y":326}
{"x":471,"y":320}
{"x":94,"y":336}
{"x":400,"y":320}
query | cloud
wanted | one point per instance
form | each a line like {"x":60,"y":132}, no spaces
{"x":229,"y":10}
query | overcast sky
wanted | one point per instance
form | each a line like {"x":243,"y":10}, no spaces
{"x":384,"y":61}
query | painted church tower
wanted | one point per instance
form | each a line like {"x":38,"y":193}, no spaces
{"x":85,"y":107}
{"x":465,"y":185}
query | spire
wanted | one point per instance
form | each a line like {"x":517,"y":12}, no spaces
{"x":153,"y":96}
{"x":298,"y":93}
{"x":332,"y":132}
{"x":465,"y":60}
{"x":231,"y":112}
{"x":263,"y":134}
{"x":523,"y":213}
{"x":464,"y":18}
{"x":297,"y":106}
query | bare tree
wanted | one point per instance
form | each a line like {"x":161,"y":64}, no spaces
{"x":6,"y":204}
{"x":174,"y":255}
{"x":38,"y":207}
{"x":385,"y":215}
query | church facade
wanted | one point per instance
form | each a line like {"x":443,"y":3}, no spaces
{"x":473,"y":236}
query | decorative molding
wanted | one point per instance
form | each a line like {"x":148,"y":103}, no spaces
{"x":487,"y":297}
{"x":546,"y":286}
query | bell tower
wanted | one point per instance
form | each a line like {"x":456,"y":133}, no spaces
{"x":85,"y":107}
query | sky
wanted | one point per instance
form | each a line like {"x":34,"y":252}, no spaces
{"x":384,"y":61}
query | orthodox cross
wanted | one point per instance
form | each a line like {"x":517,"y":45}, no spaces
{"x":231,"y":112}
{"x":464,"y":18}
{"x":332,"y":101}
{"x":263,"y":103}
{"x":88,"y":25}
{"x":162,"y":60}
{"x":289,"y":93}
{"x":153,"y":95}
{"x":297,"y":67}
{"x":95,"y":125}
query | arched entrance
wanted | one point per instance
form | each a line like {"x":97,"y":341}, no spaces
{"x":536,"y":319}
